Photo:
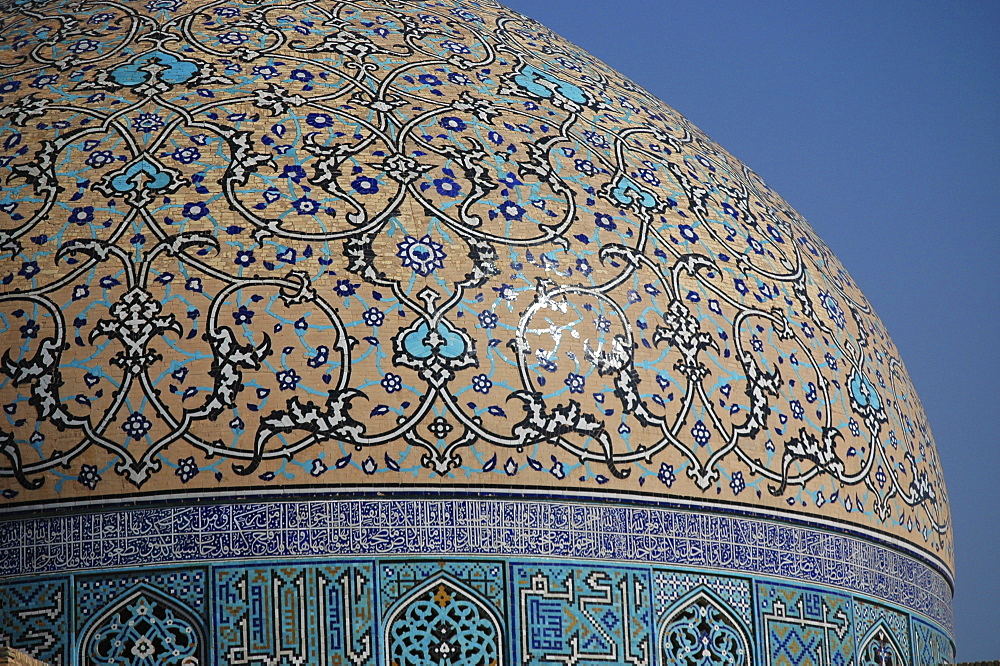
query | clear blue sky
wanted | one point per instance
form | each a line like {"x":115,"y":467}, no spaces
{"x":878,"y":121}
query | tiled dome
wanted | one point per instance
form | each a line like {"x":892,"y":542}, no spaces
{"x":407,"y":332}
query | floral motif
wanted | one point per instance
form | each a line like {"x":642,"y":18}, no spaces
{"x":88,"y":476}
{"x":423,"y":255}
{"x":495,"y":250}
{"x":186,"y":469}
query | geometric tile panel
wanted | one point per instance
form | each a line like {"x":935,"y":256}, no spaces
{"x":456,"y":611}
{"x":294,"y":614}
{"x":804,"y":627}
{"x":587,"y":615}
{"x":670,"y":586}
{"x":881,"y":631}
{"x":932,"y":645}
{"x":34,"y":616}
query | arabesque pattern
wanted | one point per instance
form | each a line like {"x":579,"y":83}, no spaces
{"x":306,"y":243}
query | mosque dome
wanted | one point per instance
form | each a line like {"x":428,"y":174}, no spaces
{"x":389,"y":332}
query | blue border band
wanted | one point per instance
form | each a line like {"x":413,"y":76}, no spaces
{"x":285,"y":529}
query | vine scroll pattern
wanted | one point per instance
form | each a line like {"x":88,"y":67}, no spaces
{"x":303,"y":243}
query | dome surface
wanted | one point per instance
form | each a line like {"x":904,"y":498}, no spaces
{"x":408,"y":332}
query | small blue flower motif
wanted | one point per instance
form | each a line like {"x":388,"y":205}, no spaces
{"x":737,"y":483}
{"x":701,"y":433}
{"x":320,"y":120}
{"x":603,"y":324}
{"x":302,"y":75}
{"x":459,"y":79}
{"x":373,"y":317}
{"x":80,"y":292}
{"x":293,"y":171}
{"x":365,"y":185}
{"x":481,"y":384}
{"x":346,"y":288}
{"x":9,"y":86}
{"x":666,"y":474}
{"x":586,"y":167}
{"x":510,"y":180}
{"x":195,"y":210}
{"x":546,"y":363}
{"x":136,"y":426}
{"x":84,"y":46}
{"x":757,"y":344}
{"x":147,"y":122}
{"x":30,"y":329}
{"x":649,"y":177}
{"x":186,"y":155}
{"x":44,"y":80}
{"x":265,"y":71}
{"x":186,"y":469}
{"x":452,"y":124}
{"x":584,"y":267}
{"x":29,"y":269}
{"x":796,"y":408}
{"x":194,"y":284}
{"x":854,"y":427}
{"x":575,"y":382}
{"x":369,"y":466}
{"x":833,"y":309}
{"x":318,"y":467}
{"x":99,"y":158}
{"x":227,"y":12}
{"x":880,"y":477}
{"x":812,"y":393}
{"x":88,"y":476}
{"x":488,"y":319}
{"x":557,"y":470}
{"x":605,"y":221}
{"x":233,"y":37}
{"x":100,"y":17}
{"x":305,"y":206}
{"x":506,"y":292}
{"x":455,"y":47}
{"x":596,"y":139}
{"x":82,"y":216}
{"x":511,"y":211}
{"x":243,"y":316}
{"x":429,"y":80}
{"x":569,"y":64}
{"x":447,"y":187}
{"x":423,"y":255}
{"x":831,"y":360}
{"x":392,"y":383}
{"x":244,"y":258}
{"x":288,"y":380}
{"x":687,"y":233}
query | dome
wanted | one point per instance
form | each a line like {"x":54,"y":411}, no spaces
{"x":407,"y":332}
